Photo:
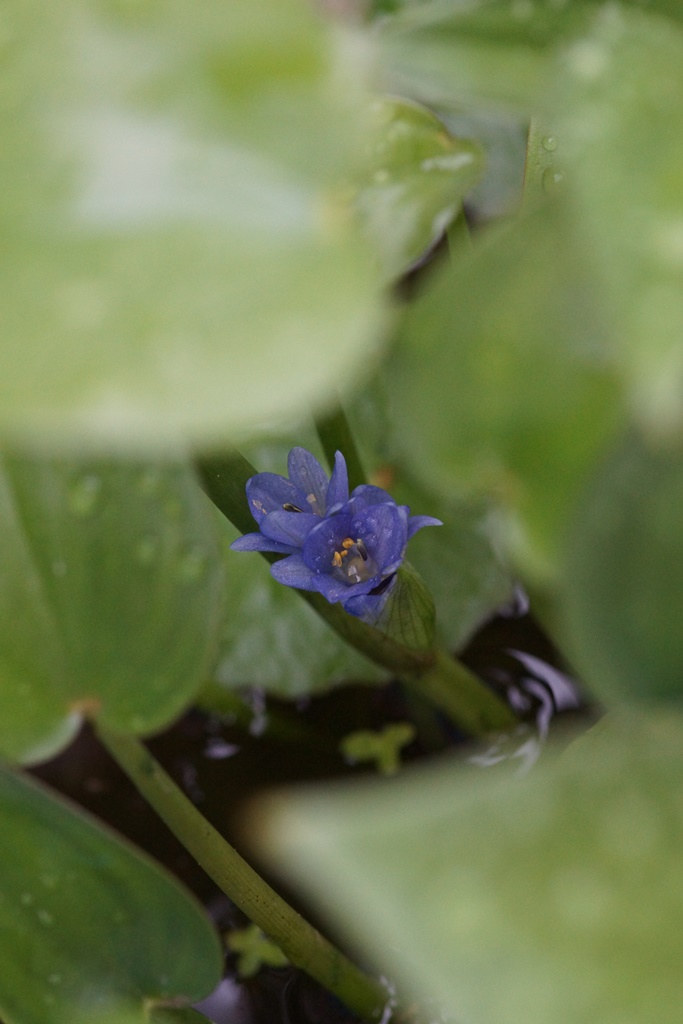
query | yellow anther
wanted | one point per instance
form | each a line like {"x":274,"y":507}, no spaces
{"x":336,"y":559}
{"x":348,"y":543}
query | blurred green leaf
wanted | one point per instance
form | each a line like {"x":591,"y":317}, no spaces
{"x":417,"y":177}
{"x":110,"y":597}
{"x":490,"y":52}
{"x":179,"y":260}
{"x":504,"y":380}
{"x":556,"y":897}
{"x":91,"y":929}
{"x":619,"y":93}
{"x":624,"y":575}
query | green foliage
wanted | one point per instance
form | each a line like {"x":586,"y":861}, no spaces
{"x":176,"y":244}
{"x":91,"y":929}
{"x":552,"y":898}
{"x":417,"y":177}
{"x":383,"y":746}
{"x":623,"y":573}
{"x":110,"y":597}
{"x":254,"y":950}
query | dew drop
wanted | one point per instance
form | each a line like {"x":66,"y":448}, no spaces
{"x":84,"y":494}
{"x":551,"y":180}
{"x":54,"y":979}
{"x":149,"y":482}
{"x":549,"y":143}
{"x":49,"y":880}
{"x":146,"y":550}
{"x":45,"y":918}
{"x":26,"y":899}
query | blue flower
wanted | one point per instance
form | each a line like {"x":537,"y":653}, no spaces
{"x":347,"y":548}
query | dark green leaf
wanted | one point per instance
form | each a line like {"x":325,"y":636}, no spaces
{"x":110,"y":597}
{"x":624,"y":575}
{"x":91,"y":930}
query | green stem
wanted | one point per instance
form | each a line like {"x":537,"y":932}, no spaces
{"x":462,"y":695}
{"x":334,"y":431}
{"x":299,"y":941}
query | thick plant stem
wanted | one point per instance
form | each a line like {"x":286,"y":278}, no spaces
{"x":335,"y":435}
{"x":300,"y":942}
{"x":462,"y":696}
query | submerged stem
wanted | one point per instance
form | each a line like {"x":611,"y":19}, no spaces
{"x":303,"y":945}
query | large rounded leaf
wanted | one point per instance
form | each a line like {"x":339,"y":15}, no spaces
{"x":176,"y":262}
{"x":505,"y":380}
{"x":110,"y":587}
{"x":624,"y":575}
{"x":91,"y":930}
{"x":558,"y":897}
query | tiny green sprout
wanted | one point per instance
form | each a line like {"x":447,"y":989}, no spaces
{"x":382,"y":747}
{"x":254,"y":950}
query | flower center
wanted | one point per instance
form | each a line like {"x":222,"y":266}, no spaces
{"x":352,"y":563}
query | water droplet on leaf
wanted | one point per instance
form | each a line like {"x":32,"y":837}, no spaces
{"x":84,"y":494}
{"x":549,"y":143}
{"x":551,"y":180}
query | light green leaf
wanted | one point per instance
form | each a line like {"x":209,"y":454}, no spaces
{"x":110,"y":597}
{"x":556,"y":897}
{"x":408,"y":614}
{"x":624,"y":575}
{"x":506,"y":381}
{"x":91,"y":929}
{"x":484,"y":52}
{"x":176,"y":246}
{"x":417,"y":178}
{"x":619,"y":94}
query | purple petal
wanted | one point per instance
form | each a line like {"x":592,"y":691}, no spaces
{"x":290,"y":528}
{"x":309,"y":477}
{"x":257,"y":542}
{"x":384,"y":529}
{"x":268,"y":492}
{"x":416,"y":523}
{"x":293,"y":572}
{"x":336,"y":590}
{"x":369,"y":607}
{"x":338,"y":489}
{"x":324,"y":540}
{"x":368,"y":494}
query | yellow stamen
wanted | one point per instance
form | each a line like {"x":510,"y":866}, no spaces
{"x":336,"y":559}
{"x":348,"y":543}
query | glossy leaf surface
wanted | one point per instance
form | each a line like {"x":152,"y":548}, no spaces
{"x":92,"y":930}
{"x":110,"y":597}
{"x":624,"y":575}
{"x":175,"y":243}
{"x":418,"y":176}
{"x":553,"y":897}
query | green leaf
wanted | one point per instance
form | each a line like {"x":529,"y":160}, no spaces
{"x":176,"y":242}
{"x":381,"y":746}
{"x":417,"y":177}
{"x":563,"y":887}
{"x":505,"y":379}
{"x":91,"y":929}
{"x":621,"y":128}
{"x":110,"y":597}
{"x":624,"y":575}
{"x":485,"y":52}
{"x":274,"y":640}
{"x":408,"y":615}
